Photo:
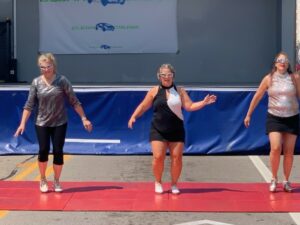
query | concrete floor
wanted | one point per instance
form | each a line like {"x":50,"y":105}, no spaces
{"x":138,"y":168}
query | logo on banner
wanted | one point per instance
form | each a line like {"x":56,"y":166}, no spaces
{"x":105,"y":27}
{"x":106,"y":2}
{"x":105,"y":47}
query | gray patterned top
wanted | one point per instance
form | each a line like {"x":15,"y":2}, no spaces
{"x":49,"y":101}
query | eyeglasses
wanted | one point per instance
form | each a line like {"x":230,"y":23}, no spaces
{"x":46,"y":67}
{"x":282,"y":61}
{"x":165,"y":75}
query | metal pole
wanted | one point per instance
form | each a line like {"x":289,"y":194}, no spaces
{"x":15,"y":28}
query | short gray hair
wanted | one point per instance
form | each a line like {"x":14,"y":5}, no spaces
{"x":168,"y":66}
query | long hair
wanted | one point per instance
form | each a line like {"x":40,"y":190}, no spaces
{"x":273,"y":70}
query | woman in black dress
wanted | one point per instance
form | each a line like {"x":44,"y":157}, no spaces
{"x":167,"y":127}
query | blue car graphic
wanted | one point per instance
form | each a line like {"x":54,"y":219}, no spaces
{"x":105,"y":27}
{"x":106,"y":2}
{"x":105,"y":47}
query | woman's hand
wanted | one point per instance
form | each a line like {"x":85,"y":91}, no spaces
{"x":209,"y":99}
{"x":247,"y":121}
{"x":131,"y":122}
{"x":20,"y":130}
{"x":87,"y":125}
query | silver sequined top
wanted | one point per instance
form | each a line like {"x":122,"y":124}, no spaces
{"x":49,"y":101}
{"x":282,"y":93}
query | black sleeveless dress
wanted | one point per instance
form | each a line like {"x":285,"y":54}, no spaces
{"x":167,"y":121}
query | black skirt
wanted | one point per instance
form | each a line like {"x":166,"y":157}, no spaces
{"x":282,"y":124}
{"x":173,"y":136}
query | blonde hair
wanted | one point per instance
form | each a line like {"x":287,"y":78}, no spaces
{"x":48,"y":58}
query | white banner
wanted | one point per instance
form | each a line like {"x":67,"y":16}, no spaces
{"x":108,"y":26}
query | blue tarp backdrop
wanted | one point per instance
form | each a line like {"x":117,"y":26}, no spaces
{"x":215,"y":129}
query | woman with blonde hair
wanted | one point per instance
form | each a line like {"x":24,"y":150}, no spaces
{"x":47,"y":94}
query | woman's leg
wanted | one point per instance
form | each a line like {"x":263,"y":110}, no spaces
{"x":159,"y":149}
{"x":57,"y":171}
{"x":275,"y":152}
{"x":42,"y":168}
{"x":43,"y":136}
{"x":289,"y":141}
{"x":176,"y":150}
{"x":58,"y":141}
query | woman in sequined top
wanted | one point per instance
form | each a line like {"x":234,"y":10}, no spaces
{"x":47,"y":96}
{"x":167,"y":129}
{"x":282,"y":124}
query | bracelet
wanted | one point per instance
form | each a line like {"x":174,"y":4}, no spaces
{"x":83,"y":118}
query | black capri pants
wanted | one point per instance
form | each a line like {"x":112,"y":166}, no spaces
{"x":57,"y":136}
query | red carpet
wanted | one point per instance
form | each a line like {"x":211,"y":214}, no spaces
{"x":140,"y":196}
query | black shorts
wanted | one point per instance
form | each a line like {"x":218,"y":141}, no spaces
{"x":175,"y":136}
{"x":282,"y":124}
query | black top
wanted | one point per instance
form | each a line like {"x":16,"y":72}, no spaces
{"x":164,"y":120}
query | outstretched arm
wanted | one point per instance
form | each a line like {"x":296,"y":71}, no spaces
{"x":189,"y":105}
{"x":143,"y":106}
{"x":256,"y":98}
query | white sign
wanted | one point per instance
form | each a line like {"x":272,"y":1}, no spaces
{"x":108,"y":26}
